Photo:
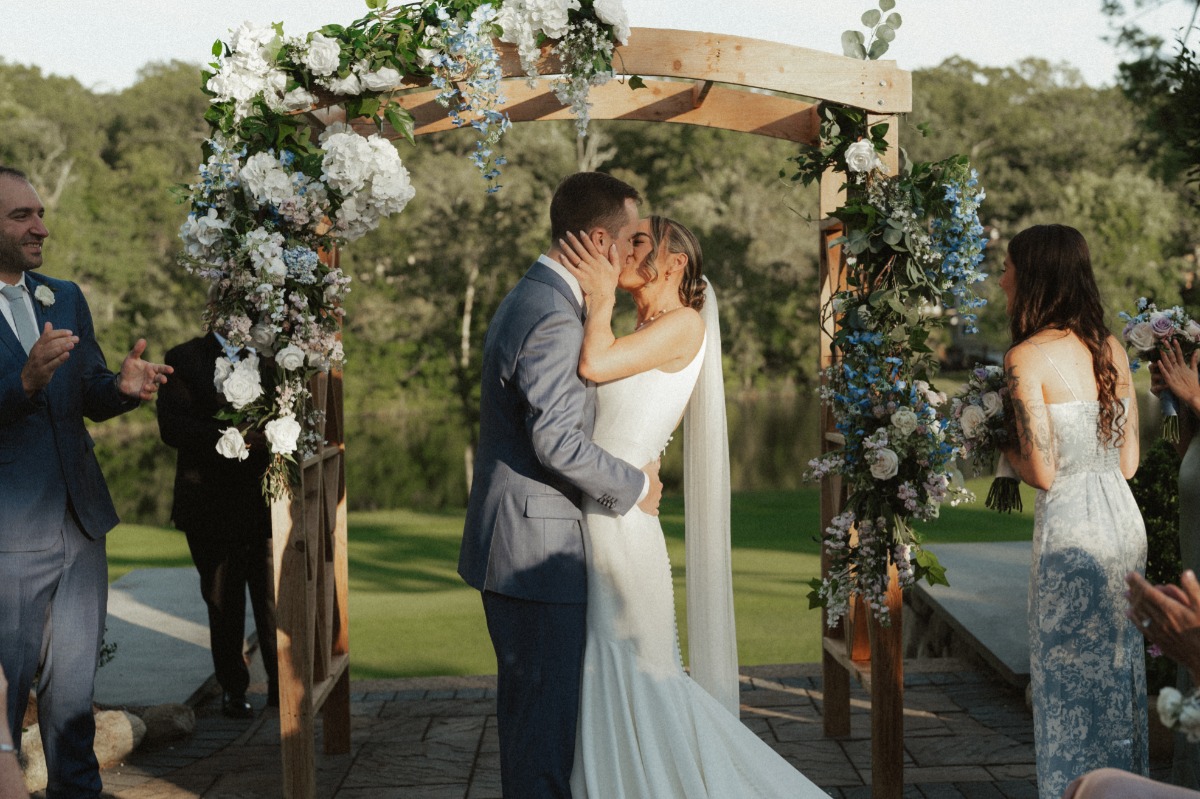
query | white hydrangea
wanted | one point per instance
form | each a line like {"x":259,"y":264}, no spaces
{"x":265,"y":179}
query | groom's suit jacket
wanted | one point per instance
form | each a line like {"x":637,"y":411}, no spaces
{"x":524,"y":529}
{"x":46,"y":454}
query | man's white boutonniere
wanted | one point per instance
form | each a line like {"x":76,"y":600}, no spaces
{"x":44,"y":295}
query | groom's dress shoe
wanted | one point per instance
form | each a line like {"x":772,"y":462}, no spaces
{"x":235,"y":706}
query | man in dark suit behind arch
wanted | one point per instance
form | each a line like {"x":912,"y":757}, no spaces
{"x":219,"y":506}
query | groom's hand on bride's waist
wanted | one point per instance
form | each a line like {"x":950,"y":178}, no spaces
{"x":649,"y":503}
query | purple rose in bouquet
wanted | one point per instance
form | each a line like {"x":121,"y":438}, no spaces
{"x":1146,"y":334}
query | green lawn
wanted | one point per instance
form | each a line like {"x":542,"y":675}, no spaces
{"x":411,"y":615}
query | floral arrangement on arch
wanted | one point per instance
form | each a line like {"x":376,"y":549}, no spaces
{"x":913,"y":247}
{"x":271,"y":198}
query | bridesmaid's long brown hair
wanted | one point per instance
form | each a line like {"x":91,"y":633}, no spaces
{"x":1055,"y":287}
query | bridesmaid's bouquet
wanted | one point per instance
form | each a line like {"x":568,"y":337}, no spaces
{"x":980,"y":424}
{"x":1146,"y":334}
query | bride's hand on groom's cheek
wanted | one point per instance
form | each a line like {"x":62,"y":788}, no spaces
{"x":597,"y":274}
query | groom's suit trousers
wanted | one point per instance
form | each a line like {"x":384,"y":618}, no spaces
{"x":54,"y":513}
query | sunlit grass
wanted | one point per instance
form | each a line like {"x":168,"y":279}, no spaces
{"x":411,"y":614}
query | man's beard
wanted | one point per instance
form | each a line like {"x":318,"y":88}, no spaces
{"x":13,"y":257}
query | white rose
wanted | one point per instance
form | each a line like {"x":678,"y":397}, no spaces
{"x":904,"y":421}
{"x":223,"y":370}
{"x":323,"y":56}
{"x":973,"y":420}
{"x":262,"y":336}
{"x":861,"y":157}
{"x":282,"y":434}
{"x":44,"y":295}
{"x":290,"y":358}
{"x":243,"y":385}
{"x":298,"y":99}
{"x":232,"y":445}
{"x":1141,"y":337}
{"x":886,"y":464}
{"x":349,"y":85}
{"x":1192,"y":330}
{"x":381,"y":79}
{"x":612,"y":12}
{"x":992,"y":404}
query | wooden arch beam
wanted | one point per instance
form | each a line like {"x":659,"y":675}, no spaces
{"x":660,"y":101}
{"x":701,"y":71}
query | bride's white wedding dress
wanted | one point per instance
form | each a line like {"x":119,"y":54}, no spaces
{"x":646,"y":729}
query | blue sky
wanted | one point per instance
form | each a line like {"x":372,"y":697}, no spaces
{"x":103,"y":43}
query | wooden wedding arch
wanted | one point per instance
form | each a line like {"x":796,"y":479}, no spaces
{"x":705,"y":79}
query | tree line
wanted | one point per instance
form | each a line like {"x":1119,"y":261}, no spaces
{"x":109,"y":168}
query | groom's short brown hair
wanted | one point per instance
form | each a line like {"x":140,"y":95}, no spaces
{"x":587,"y":200}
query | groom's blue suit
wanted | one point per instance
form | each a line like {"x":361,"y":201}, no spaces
{"x":54,"y":512}
{"x":523,"y":538}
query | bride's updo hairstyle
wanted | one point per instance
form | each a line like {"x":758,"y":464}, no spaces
{"x":1056,"y":288}
{"x":676,"y":238}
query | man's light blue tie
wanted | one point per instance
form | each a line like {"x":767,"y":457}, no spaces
{"x":26,"y":331}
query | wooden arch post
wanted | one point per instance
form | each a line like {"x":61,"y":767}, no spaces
{"x":704,"y":79}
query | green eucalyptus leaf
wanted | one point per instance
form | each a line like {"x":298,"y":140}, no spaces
{"x":887,"y":5}
{"x":893,"y":20}
{"x":853,"y":45}
{"x":899,"y":333}
{"x":871,"y":18}
{"x":886,"y":33}
{"x":878,"y":48}
{"x":893,"y":236}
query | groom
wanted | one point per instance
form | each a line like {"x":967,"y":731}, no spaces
{"x":523,"y":539}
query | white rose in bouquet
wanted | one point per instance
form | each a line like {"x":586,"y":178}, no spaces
{"x":885,"y":465}
{"x":290,"y":358}
{"x":283,"y":434}
{"x":1170,"y":703}
{"x":232,"y":445}
{"x":1189,"y":719}
{"x":243,"y":386}
{"x":992,"y":404}
{"x":861,"y":157}
{"x":904,"y":421}
{"x":1141,"y":337}
{"x":972,"y":420}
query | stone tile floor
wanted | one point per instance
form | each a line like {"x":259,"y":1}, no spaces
{"x":966,"y":735}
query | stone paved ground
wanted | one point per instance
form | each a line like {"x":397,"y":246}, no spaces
{"x":966,"y":735}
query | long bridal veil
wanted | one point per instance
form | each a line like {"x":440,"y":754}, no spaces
{"x":712,"y":641}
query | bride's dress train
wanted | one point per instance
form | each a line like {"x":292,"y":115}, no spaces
{"x":646,"y":729}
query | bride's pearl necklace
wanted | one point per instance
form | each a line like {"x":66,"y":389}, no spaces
{"x":649,"y":319}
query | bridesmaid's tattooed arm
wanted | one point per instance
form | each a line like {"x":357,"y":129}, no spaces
{"x":1033,"y":431}
{"x":1033,"y":440}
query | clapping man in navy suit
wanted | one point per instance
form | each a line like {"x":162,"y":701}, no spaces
{"x":54,"y":505}
{"x":523,"y":538}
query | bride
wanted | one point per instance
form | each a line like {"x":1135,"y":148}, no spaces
{"x":647,"y":729}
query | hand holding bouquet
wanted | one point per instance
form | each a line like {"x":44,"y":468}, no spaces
{"x":979,"y":423}
{"x":1147,"y":334}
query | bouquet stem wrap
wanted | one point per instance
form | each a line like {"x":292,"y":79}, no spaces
{"x":1005,"y":493}
{"x":1170,"y":412}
